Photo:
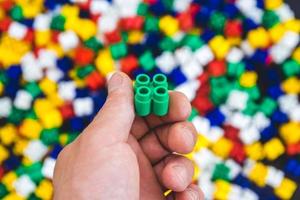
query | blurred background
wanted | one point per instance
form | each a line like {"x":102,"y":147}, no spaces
{"x":237,"y":61}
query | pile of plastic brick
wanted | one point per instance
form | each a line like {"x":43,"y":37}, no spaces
{"x":238,"y":62}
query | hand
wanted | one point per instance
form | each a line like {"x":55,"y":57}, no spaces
{"x":123,"y":157}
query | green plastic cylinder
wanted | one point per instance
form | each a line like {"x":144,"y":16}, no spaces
{"x":142,"y":101}
{"x":160,"y":80}
{"x":160,"y":101}
{"x":142,"y":80}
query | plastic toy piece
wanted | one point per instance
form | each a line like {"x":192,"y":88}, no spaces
{"x":142,"y":101}
{"x":151,"y":96}
{"x":160,"y":80}
{"x":160,"y":101}
{"x":142,"y":80}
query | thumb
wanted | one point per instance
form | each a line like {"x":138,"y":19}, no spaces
{"x":113,"y":122}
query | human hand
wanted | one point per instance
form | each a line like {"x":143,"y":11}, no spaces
{"x":120,"y":156}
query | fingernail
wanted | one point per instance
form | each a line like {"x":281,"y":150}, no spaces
{"x":181,"y":173}
{"x":189,"y":136}
{"x":193,"y":195}
{"x":115,"y":82}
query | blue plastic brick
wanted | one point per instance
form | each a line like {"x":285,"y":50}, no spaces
{"x":177,"y":77}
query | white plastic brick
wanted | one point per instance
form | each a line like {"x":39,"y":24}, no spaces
{"x":285,"y":13}
{"x":68,"y":40}
{"x":83,"y":106}
{"x":48,"y":167}
{"x":67,"y":90}
{"x":287,"y":103}
{"x":24,"y":186}
{"x":239,"y":120}
{"x":189,"y":89}
{"x":235,"y":168}
{"x":5,"y":106}
{"x":166,"y":62}
{"x":181,"y":5}
{"x":23,"y":100}
{"x":17,"y":30}
{"x":183,"y":55}
{"x":274,"y":177}
{"x":99,"y":7}
{"x":249,"y":135}
{"x":201,"y":124}
{"x":192,"y":69}
{"x":237,"y":99}
{"x":42,"y":22}
{"x":47,"y":58}
{"x":35,"y":150}
{"x":204,"y":55}
{"x":260,"y":121}
{"x":235,"y":55}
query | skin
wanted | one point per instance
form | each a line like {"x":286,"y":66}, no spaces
{"x":122,"y":156}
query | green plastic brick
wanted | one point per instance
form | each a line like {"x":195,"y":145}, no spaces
{"x":49,"y":136}
{"x":160,"y":80}
{"x":93,"y":44}
{"x":142,"y":101}
{"x":160,"y":101}
{"x":142,"y":80}
{"x":147,"y":61}
{"x":217,"y":22}
{"x":118,"y":50}
{"x":58,"y":23}
{"x":270,"y":19}
{"x":16,"y":13}
{"x":221,"y":171}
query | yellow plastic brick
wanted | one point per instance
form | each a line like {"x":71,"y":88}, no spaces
{"x":273,"y":149}
{"x":277,"y":32}
{"x":42,"y":38}
{"x":293,"y":25}
{"x":1,"y":88}
{"x":13,"y":196}
{"x":30,"y":128}
{"x":202,"y":142}
{"x":135,"y":37}
{"x":296,"y":54}
{"x":8,"y":134}
{"x":19,"y":146}
{"x":70,"y":11}
{"x":286,"y":189}
{"x":222,"y":189}
{"x":258,"y":174}
{"x":168,"y":25}
{"x":104,"y":62}
{"x":272,"y":4}
{"x":255,"y":151}
{"x":219,"y":46}
{"x":8,"y":180}
{"x":12,"y":50}
{"x":259,"y":38}
{"x":44,"y":190}
{"x":248,"y":79}
{"x":48,"y":86}
{"x":291,"y":85}
{"x":222,"y":147}
{"x":53,"y":119}
{"x":3,"y":153}
{"x":42,"y":106}
{"x":85,"y":28}
{"x":290,"y":132}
